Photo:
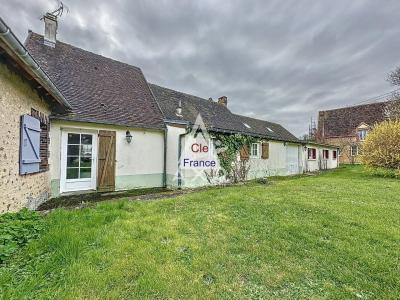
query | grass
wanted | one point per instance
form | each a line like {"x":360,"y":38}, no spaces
{"x":336,"y":235}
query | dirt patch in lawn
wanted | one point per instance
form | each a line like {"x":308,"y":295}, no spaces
{"x":85,"y":199}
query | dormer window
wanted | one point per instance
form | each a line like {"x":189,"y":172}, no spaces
{"x":362,"y":131}
{"x":362,"y":134}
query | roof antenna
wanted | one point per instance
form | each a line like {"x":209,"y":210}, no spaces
{"x":59,"y":11}
{"x":51,"y":24}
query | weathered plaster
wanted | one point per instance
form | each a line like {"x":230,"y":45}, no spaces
{"x":16,"y":191}
{"x":138,"y":164}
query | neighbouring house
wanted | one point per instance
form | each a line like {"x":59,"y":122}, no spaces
{"x":27,"y":97}
{"x":74,"y":121}
{"x":348,"y":127}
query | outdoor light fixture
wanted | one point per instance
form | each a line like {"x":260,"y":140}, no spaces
{"x":128,"y":136}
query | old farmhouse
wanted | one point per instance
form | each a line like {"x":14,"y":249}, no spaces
{"x":76,"y":121}
{"x":347,"y":128}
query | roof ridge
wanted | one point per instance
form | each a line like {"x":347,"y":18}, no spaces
{"x":257,"y":119}
{"x":163,"y":87}
{"x":190,"y":95}
{"x":31,"y":33}
{"x":353,"y":106}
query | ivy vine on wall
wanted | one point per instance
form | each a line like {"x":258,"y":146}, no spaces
{"x":228,"y":147}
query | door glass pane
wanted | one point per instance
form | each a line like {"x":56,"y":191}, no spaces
{"x":72,"y":173}
{"x":79,"y":155}
{"x":86,"y":139}
{"x":73,"y":138}
{"x":86,"y":162}
{"x":72,"y":161}
{"x":85,"y":172}
{"x":86,"y":150}
{"x":73,"y":150}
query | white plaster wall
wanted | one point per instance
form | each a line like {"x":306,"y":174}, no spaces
{"x":143,"y":156}
{"x":192,"y":176}
{"x":313,"y":165}
{"x":172,"y":152}
{"x":275,"y":165}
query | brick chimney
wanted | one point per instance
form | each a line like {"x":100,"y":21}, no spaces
{"x":223,"y":100}
{"x":50,"y":29}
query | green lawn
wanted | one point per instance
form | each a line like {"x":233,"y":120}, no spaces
{"x":336,"y":235}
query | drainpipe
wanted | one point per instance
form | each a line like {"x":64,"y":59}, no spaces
{"x":10,"y":39}
{"x":182,"y":135}
{"x":165,"y":157}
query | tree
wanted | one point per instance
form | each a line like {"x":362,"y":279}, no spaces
{"x":394,"y":77}
{"x":392,"y":109}
{"x":381,"y":147}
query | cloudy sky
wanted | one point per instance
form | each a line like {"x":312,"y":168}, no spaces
{"x":277,"y":60}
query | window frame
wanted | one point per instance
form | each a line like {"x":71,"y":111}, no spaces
{"x":351,"y":150}
{"x":362,"y":134}
{"x":313,"y":153}
{"x":257,"y":155}
{"x":325,"y":154}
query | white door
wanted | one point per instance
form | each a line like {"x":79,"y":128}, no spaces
{"x":292,"y":159}
{"x":78,"y":161}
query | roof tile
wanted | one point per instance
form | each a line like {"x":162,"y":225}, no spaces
{"x":216,"y":117}
{"x":99,"y":89}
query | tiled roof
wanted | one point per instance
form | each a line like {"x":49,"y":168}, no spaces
{"x":268,"y":129}
{"x":216,"y":117}
{"x":99,"y":89}
{"x":344,"y":121}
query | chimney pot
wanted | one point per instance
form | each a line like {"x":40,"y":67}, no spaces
{"x":223,"y":100}
{"x":50,"y":29}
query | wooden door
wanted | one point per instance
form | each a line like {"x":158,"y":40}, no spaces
{"x":106,"y":161}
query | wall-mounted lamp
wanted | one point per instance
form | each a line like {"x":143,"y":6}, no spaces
{"x":128,"y":136}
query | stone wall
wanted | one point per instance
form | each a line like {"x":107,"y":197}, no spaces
{"x":16,"y":191}
{"x":344,"y":144}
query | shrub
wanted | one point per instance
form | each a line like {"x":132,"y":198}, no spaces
{"x":17,"y":229}
{"x":381,"y":148}
{"x":383,"y":172}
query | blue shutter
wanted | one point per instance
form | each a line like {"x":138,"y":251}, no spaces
{"x":29,"y":159}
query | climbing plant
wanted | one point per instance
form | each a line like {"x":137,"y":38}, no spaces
{"x":228,"y":147}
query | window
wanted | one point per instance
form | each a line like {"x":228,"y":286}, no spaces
{"x":325,"y":154}
{"x":334,"y":154}
{"x":269,"y":129}
{"x":254,"y":150}
{"x":246,"y":125}
{"x":354,"y":150}
{"x":312,"y":153}
{"x":79,"y":156}
{"x":362,"y":134}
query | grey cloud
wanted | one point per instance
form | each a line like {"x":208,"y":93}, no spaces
{"x":278,"y":60}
